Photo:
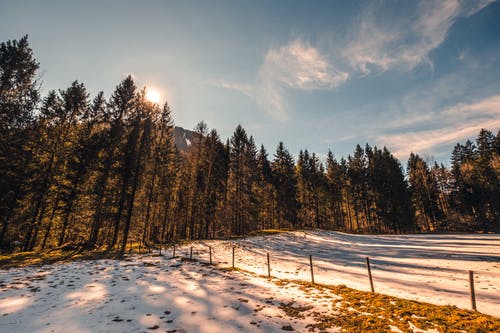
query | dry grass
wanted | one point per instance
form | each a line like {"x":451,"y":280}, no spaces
{"x":361,"y":311}
{"x":22,"y":259}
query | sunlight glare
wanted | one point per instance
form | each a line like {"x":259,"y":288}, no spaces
{"x":13,"y":304}
{"x":153,"y":96}
{"x":90,"y":293}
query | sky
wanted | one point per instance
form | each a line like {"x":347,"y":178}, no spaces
{"x":414,"y":76}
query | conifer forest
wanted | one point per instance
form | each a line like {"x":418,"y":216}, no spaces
{"x":102,"y":171}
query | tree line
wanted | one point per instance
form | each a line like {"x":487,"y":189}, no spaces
{"x":102,"y":172}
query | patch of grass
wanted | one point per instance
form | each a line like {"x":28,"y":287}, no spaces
{"x":362,"y":311}
{"x":265,"y":232}
{"x":22,"y":259}
{"x":236,"y":269}
{"x":273,"y":231}
{"x":68,"y":253}
{"x":294,"y":311}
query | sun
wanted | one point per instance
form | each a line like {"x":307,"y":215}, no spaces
{"x":153,"y":96}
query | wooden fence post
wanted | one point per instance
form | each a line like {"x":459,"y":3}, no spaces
{"x":233,"y":257}
{"x":311,"y":265}
{"x":210,"y":254}
{"x":369,"y":273}
{"x":191,"y":254}
{"x":160,"y":250}
{"x":268,"y":266}
{"x":472,"y":292}
{"x":173,"y":255}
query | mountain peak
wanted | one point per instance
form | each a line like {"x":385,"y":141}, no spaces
{"x":183,"y":138}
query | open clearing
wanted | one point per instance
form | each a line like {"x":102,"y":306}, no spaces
{"x":152,"y":293}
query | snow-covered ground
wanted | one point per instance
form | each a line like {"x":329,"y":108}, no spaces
{"x":142,"y":294}
{"x":148,"y":293}
{"x":432,"y":268}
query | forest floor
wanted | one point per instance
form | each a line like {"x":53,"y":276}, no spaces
{"x":148,"y":292}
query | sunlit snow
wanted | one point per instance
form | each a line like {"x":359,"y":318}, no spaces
{"x":149,"y":292}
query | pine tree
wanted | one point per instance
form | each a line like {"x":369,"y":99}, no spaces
{"x":19,"y":89}
{"x":125,"y":136}
{"x":357,"y":166}
{"x":488,"y":181}
{"x":137,"y":147}
{"x":160,"y":183}
{"x":242,"y":167}
{"x":19,"y":97}
{"x":265,"y":193}
{"x":77,"y":159}
{"x":196,"y":180}
{"x":50,"y":156}
{"x":424,"y":194}
{"x":216,"y":162}
{"x":285,"y":184}
{"x":336,"y":193}
{"x":391,"y":192}
{"x":309,"y":189}
{"x":442,"y":177}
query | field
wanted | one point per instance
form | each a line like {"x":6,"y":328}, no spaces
{"x":149,"y":292}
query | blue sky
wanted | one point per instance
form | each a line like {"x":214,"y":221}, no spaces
{"x":411,"y":75}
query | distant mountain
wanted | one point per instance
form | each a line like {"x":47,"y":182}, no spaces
{"x":183,"y":138}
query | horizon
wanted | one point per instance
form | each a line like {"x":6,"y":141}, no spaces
{"x":414,"y":77}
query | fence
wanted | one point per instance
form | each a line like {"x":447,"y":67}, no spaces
{"x":262,"y":263}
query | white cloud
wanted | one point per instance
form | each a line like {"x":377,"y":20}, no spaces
{"x":300,"y":66}
{"x":452,"y":125}
{"x":405,"y":43}
{"x":296,"y":65}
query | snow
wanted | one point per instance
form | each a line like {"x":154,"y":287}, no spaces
{"x":431,"y":268}
{"x":153,"y":293}
{"x":144,"y":293}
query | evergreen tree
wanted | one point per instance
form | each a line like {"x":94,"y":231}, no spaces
{"x":159,"y":189}
{"x":196,"y":181}
{"x":391,"y":192}
{"x":265,"y":193}
{"x":126,"y":132}
{"x":137,"y":146}
{"x":424,"y":194}
{"x":285,"y":184}
{"x":357,"y":167}
{"x":443,"y":179}
{"x":77,"y":158}
{"x":19,"y":97}
{"x":309,"y":189}
{"x":217,"y":164}
{"x":242,"y":176}
{"x":336,"y":193}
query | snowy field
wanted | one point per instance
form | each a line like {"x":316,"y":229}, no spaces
{"x":426,"y":267}
{"x":152,"y":293}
